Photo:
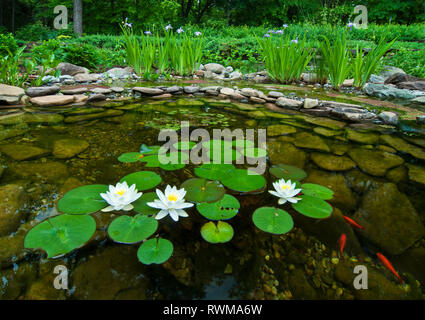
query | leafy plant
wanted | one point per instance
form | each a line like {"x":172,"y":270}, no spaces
{"x":10,"y":68}
{"x":8,"y":45}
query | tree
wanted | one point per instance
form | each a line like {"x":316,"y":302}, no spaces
{"x":78,"y":17}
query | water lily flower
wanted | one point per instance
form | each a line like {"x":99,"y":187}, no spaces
{"x":351,"y":25}
{"x":285,"y":191}
{"x":197,"y":34}
{"x":168,"y":27}
{"x":171,"y":202}
{"x":285,"y":26}
{"x":120,"y":197}
{"x":180,"y":30}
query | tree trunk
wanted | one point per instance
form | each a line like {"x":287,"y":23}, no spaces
{"x":78,"y":17}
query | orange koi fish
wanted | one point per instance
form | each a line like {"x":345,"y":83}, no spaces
{"x":389,"y":266}
{"x":342,"y":241}
{"x":353,"y":223}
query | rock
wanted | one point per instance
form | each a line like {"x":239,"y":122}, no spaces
{"x":353,"y":114}
{"x":119,"y":73}
{"x":79,"y":98}
{"x":388,"y":71}
{"x":309,"y":77}
{"x":325,"y":122}
{"x":332,"y":163}
{"x":348,"y":83}
{"x":249,"y":92}
{"x":148,"y":91}
{"x":16,"y":280}
{"x":10,"y":133}
{"x":31,"y":118}
{"x":10,"y":94}
{"x":74,"y":91}
{"x":227,"y":91}
{"x":412,"y":261}
{"x":403,"y":146}
{"x":365,"y":138}
{"x":375,"y":162}
{"x":376,"y":79}
{"x":413,"y":85}
{"x":397,"y":175}
{"x":21,"y":152}
{"x":174,"y":89}
{"x":416,"y":173}
{"x":289,"y":103}
{"x":42,"y":91}
{"x":86,"y":77}
{"x":109,"y":273}
{"x":68,"y":148}
{"x":117,"y":89}
{"x":390,"y":220}
{"x":326,"y":132}
{"x":389,"y":117}
{"x":215,"y":68}
{"x":280,"y":130}
{"x":50,"y":171}
{"x":190,"y":89}
{"x":163,"y":96}
{"x":48,"y":101}
{"x":236,"y":75}
{"x":309,"y":141}
{"x":300,"y":287}
{"x":105,"y":114}
{"x":310,"y":103}
{"x":96,"y":98}
{"x":420,"y":100}
{"x":257,"y":100}
{"x":387,"y":91}
{"x":101,"y":90}
{"x":71,"y":69}
{"x":420,"y":119}
{"x":11,"y":214}
{"x":397,"y":78}
{"x":343,"y":198}
{"x":285,"y":153}
{"x":275,"y":94}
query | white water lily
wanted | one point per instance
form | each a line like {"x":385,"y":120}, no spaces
{"x":120,"y":197}
{"x":171,"y":202}
{"x":285,"y":191}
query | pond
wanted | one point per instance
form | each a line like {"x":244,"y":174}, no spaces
{"x":376,"y":173}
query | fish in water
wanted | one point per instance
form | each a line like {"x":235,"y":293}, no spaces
{"x":353,"y":223}
{"x":389,"y":266}
{"x":342,"y":240}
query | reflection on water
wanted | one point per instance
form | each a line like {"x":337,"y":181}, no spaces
{"x":377,"y":174}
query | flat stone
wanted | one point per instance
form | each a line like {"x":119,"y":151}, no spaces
{"x":148,"y":91}
{"x":78,"y":98}
{"x":365,"y":138}
{"x":412,"y":85}
{"x":86,"y":77}
{"x":289,"y":103}
{"x":390,"y":221}
{"x":249,"y":92}
{"x":74,"y":91}
{"x":215,"y":68}
{"x":69,"y":148}
{"x":105,"y":114}
{"x":227,"y":91}
{"x":71,"y":69}
{"x":48,"y":101}
{"x":416,"y":173}
{"x":389,"y":117}
{"x":10,"y":94}
{"x":310,"y":103}
{"x":275,"y":94}
{"x":51,"y":171}
{"x":403,"y":146}
{"x":375,"y":162}
{"x":190,"y":89}
{"x":101,"y":90}
{"x":117,"y":89}
{"x":119,"y":73}
{"x":42,"y":91}
{"x":13,"y":199}
{"x":325,"y":122}
{"x":281,"y":152}
{"x":348,"y":83}
{"x":326,"y":132}
{"x":332,"y":163}
{"x":21,"y":152}
{"x":96,"y":97}
{"x":280,"y":130}
{"x":31,"y":118}
{"x":309,"y":141}
{"x":163,"y":96}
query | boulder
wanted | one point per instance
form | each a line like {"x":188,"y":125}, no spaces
{"x":42,"y":91}
{"x":280,"y":130}
{"x":119,"y":73}
{"x":331,"y":162}
{"x":401,"y":145}
{"x":353,"y":114}
{"x":71,"y":69}
{"x":389,"y":117}
{"x":390,"y":221}
{"x":397,"y":78}
{"x":86,"y":77}
{"x":21,"y":152}
{"x":310,"y":103}
{"x":374,"y":162}
{"x":388,"y":71}
{"x":420,"y":100}
{"x":148,"y":91}
{"x":68,"y":148}
{"x":215,"y":68}
{"x":48,"y":101}
{"x":413,"y":85}
{"x":10,"y":94}
{"x":285,"y":153}
{"x":309,"y":141}
{"x":289,"y":103}
{"x":11,"y":214}
{"x":387,"y":91}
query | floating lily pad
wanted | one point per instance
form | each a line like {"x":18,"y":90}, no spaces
{"x":129,"y":230}
{"x":255,"y":153}
{"x":140,"y":205}
{"x":317,"y":191}
{"x":184,"y":145}
{"x":221,"y":232}
{"x":131,"y":157}
{"x":61,"y":234}
{"x":214,"y":171}
{"x":287,"y":172}
{"x":202,"y":190}
{"x":273,"y":220}
{"x":82,"y":200}
{"x":144,"y":180}
{"x":243,"y":181}
{"x":217,"y":144}
{"x":177,"y":160}
{"x":243,"y":144}
{"x":313,"y":207}
{"x":224,"y":209}
{"x":225,"y":156}
{"x":155,"y":251}
{"x":149,"y":150}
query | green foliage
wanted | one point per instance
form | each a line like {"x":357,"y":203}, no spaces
{"x":221,"y":232}
{"x":155,"y":251}
{"x":224,"y":209}
{"x":272,"y":220}
{"x":412,"y":62}
{"x":84,"y":55}
{"x":144,"y":180}
{"x":8,"y":44}
{"x":202,"y":190}
{"x":83,"y":200}
{"x":313,"y":207}
{"x":10,"y":68}
{"x":129,"y":230}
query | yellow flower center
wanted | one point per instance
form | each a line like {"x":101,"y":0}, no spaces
{"x":284,"y":187}
{"x":121,"y":192}
{"x":172,"y":197}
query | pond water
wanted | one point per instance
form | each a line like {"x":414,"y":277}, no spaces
{"x":377,"y":175}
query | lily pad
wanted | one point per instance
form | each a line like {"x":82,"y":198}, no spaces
{"x":61,"y":234}
{"x":243,"y":144}
{"x":202,"y":190}
{"x":221,"y":232}
{"x":151,"y":161}
{"x":288,"y":172}
{"x":177,"y":160}
{"x":144,"y":180}
{"x":140,"y":205}
{"x":313,"y":207}
{"x":214,"y":171}
{"x":243,"y":181}
{"x":155,"y":251}
{"x":129,"y":230}
{"x":255,"y":153}
{"x":224,"y":209}
{"x":317,"y":191}
{"x":184,"y":145}
{"x":225,"y":156}
{"x":149,"y":150}
{"x":83,"y":200}
{"x":131,"y":157}
{"x":273,"y":220}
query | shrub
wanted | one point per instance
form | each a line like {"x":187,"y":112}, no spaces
{"x":7,"y":44}
{"x":81,"y":54}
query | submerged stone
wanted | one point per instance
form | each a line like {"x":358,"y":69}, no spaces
{"x":397,"y":175}
{"x":21,"y":152}
{"x":68,"y":148}
{"x":326,"y":132}
{"x":309,"y":141}
{"x":51,"y":171}
{"x":10,"y":133}
{"x":365,"y":138}
{"x":332,"y":163}
{"x":403,"y":146}
{"x":13,"y":200}
{"x":375,"y":162}
{"x":416,"y":173}
{"x":390,"y":220}
{"x":279,"y":130}
{"x":325,"y":122}
{"x":107,"y":113}
{"x":55,"y":100}
{"x":36,"y":118}
{"x":286,"y":153}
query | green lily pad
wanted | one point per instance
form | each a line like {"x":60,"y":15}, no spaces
{"x":225,"y":156}
{"x":243,"y":144}
{"x":131,"y":157}
{"x":317,"y":191}
{"x":214,"y":171}
{"x":240,"y":180}
{"x":224,"y":209}
{"x":202,"y":190}
{"x":149,"y":150}
{"x":177,"y":160}
{"x":151,"y":161}
{"x":287,"y":172}
{"x":140,"y":205}
{"x":184,"y":145}
{"x":221,"y":232}
{"x":273,"y":220}
{"x":83,"y":200}
{"x":217,"y":144}
{"x":129,"y":230}
{"x":155,"y":251}
{"x":144,"y":180}
{"x":255,"y":153}
{"x":61,"y":234}
{"x":313,"y":207}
